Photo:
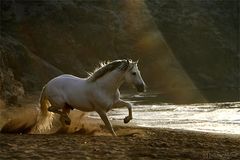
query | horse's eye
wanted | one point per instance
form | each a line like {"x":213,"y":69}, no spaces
{"x":134,"y":73}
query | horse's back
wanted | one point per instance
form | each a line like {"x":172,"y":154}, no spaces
{"x":69,"y":90}
{"x":66,"y":81}
{"x":65,"y":86}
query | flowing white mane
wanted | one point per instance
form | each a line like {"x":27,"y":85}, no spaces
{"x":104,"y":68}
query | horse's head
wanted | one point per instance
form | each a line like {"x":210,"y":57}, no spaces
{"x":133,"y":76}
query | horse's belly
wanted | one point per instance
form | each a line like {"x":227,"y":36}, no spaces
{"x":85,"y":108}
{"x":82,"y":104}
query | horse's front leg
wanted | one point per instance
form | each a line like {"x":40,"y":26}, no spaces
{"x":120,"y":104}
{"x":64,"y":118}
{"x":107,"y":123}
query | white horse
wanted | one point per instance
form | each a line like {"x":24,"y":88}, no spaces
{"x":99,"y":92}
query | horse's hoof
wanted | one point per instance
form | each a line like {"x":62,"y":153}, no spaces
{"x":67,"y":122}
{"x":127,"y":119}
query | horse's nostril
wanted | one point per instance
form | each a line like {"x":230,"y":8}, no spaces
{"x":140,"y":88}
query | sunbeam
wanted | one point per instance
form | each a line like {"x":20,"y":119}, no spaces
{"x":151,"y":46}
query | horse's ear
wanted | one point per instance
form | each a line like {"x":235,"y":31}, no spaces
{"x":136,"y":62}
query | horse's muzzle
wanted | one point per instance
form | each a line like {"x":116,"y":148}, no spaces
{"x":140,"y":87}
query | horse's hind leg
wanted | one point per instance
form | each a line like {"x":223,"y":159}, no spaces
{"x":63,"y":115}
{"x":65,"y":118}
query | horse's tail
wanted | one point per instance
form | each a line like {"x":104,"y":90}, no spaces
{"x":45,"y":118}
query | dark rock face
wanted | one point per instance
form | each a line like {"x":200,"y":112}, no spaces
{"x":11,"y":89}
{"x":204,"y":37}
{"x":202,"y":34}
{"x":183,"y":46}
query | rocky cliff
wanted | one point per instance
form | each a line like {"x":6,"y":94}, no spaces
{"x":184,"y":47}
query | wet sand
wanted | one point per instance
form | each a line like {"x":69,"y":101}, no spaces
{"x":131,"y":143}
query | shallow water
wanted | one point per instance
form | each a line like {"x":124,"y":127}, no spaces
{"x":148,"y":111}
{"x":206,"y":117}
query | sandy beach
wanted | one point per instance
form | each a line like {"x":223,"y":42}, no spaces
{"x":87,"y":138}
{"x":131,"y":143}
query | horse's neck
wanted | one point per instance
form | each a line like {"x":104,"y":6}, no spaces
{"x":112,"y":81}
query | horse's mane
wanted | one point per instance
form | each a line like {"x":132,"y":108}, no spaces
{"x":104,"y":68}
